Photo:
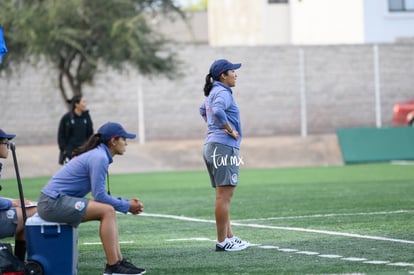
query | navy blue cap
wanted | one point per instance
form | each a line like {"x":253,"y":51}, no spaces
{"x":4,"y":135}
{"x":113,"y":130}
{"x":220,"y":66}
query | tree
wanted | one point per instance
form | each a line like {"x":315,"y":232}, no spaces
{"x":76,"y":36}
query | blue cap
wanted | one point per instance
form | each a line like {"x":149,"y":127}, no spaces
{"x":4,"y":135}
{"x":113,"y":130}
{"x":220,"y":66}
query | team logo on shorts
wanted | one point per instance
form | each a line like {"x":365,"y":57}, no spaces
{"x":10,"y":214}
{"x":79,"y":205}
{"x":234,"y":178}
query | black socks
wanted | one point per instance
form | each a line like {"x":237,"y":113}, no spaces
{"x":20,"y":249}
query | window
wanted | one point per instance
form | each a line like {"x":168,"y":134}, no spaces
{"x":401,"y":5}
{"x":277,"y":1}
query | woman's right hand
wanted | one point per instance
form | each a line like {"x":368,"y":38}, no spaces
{"x":135,"y":206}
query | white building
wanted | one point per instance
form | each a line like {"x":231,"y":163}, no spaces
{"x":309,"y":22}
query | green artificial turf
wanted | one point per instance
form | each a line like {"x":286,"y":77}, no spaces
{"x":314,"y":220}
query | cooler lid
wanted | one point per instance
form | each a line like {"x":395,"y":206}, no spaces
{"x":37,"y":220}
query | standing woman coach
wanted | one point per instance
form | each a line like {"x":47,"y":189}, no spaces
{"x":224,"y":135}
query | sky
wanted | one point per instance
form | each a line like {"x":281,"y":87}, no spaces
{"x":186,"y":2}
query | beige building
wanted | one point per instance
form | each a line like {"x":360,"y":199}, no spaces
{"x":247,"y":22}
{"x":308,"y":22}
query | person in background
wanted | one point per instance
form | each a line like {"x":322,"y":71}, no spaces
{"x":75,"y":127}
{"x":11,"y":216}
{"x":63,"y":198}
{"x":224,"y":135}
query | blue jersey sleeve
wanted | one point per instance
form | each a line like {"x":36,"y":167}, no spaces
{"x":5,"y":204}
{"x":98,"y":173}
{"x":220,"y":103}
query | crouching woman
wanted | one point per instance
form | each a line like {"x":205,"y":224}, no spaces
{"x":63,"y":198}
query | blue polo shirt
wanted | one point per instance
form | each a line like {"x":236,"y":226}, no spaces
{"x":218,"y":109}
{"x":85,"y":174}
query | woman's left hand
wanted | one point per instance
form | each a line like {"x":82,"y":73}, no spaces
{"x":233,"y":133}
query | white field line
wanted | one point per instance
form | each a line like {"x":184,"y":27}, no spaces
{"x":326,"y":232}
{"x":297,"y":229}
{"x":330,"y":215}
{"x":99,"y":243}
{"x":334,"y":256}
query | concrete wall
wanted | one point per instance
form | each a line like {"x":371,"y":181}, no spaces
{"x":339,"y":86}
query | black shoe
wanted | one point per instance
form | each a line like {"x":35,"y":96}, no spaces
{"x":120,"y":269}
{"x":125,"y":263}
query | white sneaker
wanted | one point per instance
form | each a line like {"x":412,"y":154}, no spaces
{"x":230,"y":246}
{"x":239,"y":241}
